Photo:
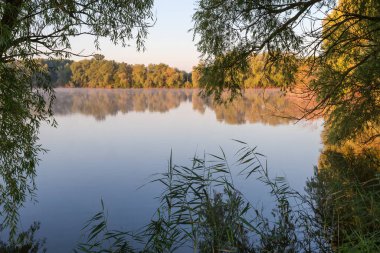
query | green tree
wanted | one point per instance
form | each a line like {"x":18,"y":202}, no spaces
{"x":59,"y":71}
{"x":63,"y":75}
{"x":43,"y":28}
{"x":103,"y":73}
{"x":196,"y":75}
{"x":123,"y":76}
{"x":106,"y":74}
{"x":78,"y":78}
{"x":256,"y":76}
{"x":138,"y":75}
{"x":342,"y":52}
{"x":348,"y":80}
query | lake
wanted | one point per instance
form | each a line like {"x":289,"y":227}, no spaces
{"x":108,"y":143}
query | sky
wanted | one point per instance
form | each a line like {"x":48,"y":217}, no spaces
{"x":169,"y":40}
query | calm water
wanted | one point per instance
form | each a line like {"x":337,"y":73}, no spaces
{"x":109,"y":142}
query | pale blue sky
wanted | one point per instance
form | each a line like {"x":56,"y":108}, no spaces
{"x":169,"y":41}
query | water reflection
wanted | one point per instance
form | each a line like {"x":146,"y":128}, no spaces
{"x":105,"y":148}
{"x":270,"y":107}
{"x":346,"y":191}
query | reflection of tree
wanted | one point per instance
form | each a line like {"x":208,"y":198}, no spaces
{"x":101,"y":103}
{"x":266,"y":106}
{"x":269,"y":107}
{"x":347,"y":194}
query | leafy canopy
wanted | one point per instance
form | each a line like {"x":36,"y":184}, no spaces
{"x":338,"y":41}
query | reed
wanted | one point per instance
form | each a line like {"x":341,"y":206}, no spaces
{"x":201,"y":208}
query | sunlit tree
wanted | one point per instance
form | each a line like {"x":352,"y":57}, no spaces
{"x":348,"y":75}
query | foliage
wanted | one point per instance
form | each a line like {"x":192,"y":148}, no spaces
{"x":341,"y":53}
{"x":348,"y":83}
{"x":232,"y":32}
{"x":40,"y":27}
{"x":25,"y":242}
{"x":101,"y":73}
{"x":256,"y":76}
{"x":23,"y":107}
{"x":59,"y":71}
{"x":252,"y":76}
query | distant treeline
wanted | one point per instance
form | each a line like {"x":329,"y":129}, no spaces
{"x":100,"y":73}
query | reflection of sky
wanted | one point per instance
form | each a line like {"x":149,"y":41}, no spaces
{"x":89,"y":160}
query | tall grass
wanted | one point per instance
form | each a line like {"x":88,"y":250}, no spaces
{"x":202,"y":209}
